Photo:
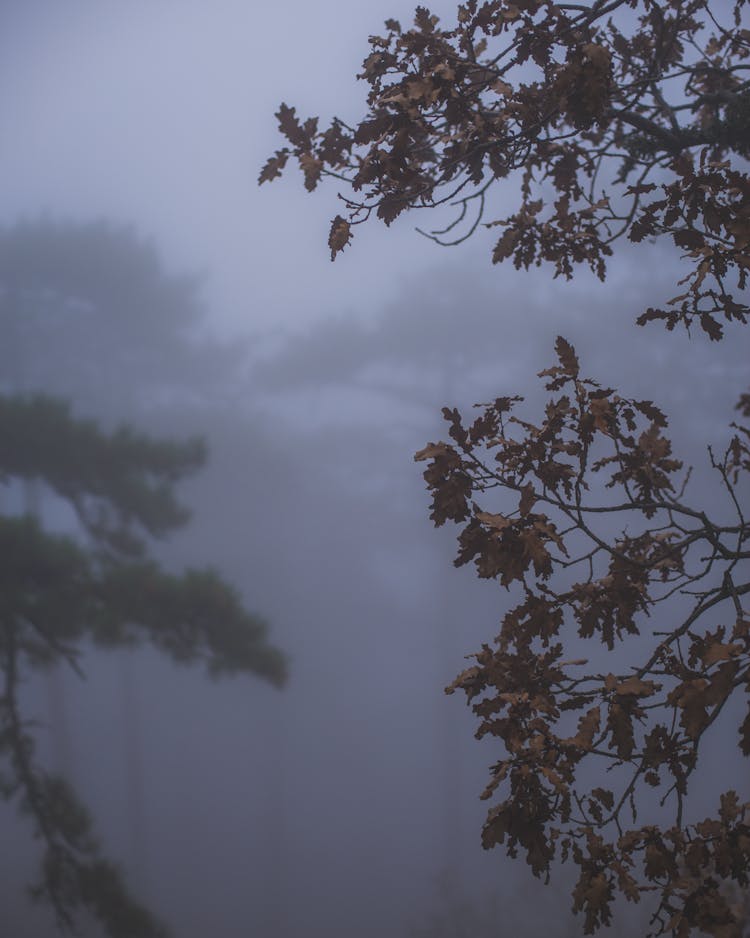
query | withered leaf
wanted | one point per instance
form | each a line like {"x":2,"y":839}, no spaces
{"x":431,"y":451}
{"x":495,"y":521}
{"x":731,"y":809}
{"x":634,"y":686}
{"x":620,"y":726}
{"x":291,"y":128}
{"x":340,"y":235}
{"x":692,"y":698}
{"x":390,"y":207}
{"x":274,"y":166}
{"x":605,"y":796}
{"x":526,"y":502}
{"x":719,"y":651}
{"x":467,"y":679}
{"x":566,"y":354}
{"x":651,"y":412}
{"x":588,"y":727}
{"x":311,"y":167}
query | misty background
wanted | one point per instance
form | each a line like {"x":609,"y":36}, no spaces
{"x":159,"y":285}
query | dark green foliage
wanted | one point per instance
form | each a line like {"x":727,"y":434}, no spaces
{"x":114,"y":482}
{"x":58,"y":593}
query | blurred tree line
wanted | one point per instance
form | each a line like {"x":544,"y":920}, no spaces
{"x":87,"y":312}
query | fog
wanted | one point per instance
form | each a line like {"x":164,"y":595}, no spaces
{"x":162,"y":287}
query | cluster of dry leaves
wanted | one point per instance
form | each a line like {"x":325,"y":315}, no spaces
{"x":593,"y":463}
{"x":602,"y":118}
{"x":616,"y":118}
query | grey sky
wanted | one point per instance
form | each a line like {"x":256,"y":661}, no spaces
{"x":161,"y":113}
